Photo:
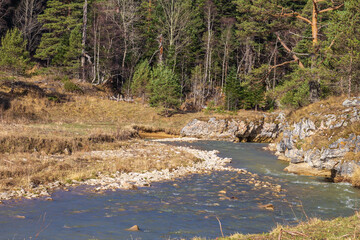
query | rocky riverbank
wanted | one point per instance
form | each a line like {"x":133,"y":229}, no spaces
{"x":205,"y":162}
{"x":327,"y":145}
{"x":322,"y":139}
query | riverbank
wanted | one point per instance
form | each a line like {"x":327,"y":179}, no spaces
{"x":339,"y":228}
{"x":35,"y":175}
{"x":322,"y":139}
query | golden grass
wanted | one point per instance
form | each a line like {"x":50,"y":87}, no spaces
{"x":326,"y":137}
{"x":24,"y":170}
{"x":355,"y":178}
{"x":331,"y":105}
{"x":339,"y":228}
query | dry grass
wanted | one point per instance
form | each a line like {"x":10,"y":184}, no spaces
{"x":38,"y":119}
{"x":49,"y":107}
{"x":331,"y":105}
{"x":355,"y":178}
{"x":339,"y":228}
{"x":24,"y":170}
{"x":326,"y":137}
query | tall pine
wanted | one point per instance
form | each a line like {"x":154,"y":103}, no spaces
{"x":60,"y":19}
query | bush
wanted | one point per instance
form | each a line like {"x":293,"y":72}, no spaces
{"x":71,"y":87}
{"x":296,"y":95}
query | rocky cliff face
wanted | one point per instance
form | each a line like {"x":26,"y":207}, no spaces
{"x":327,"y":144}
{"x":234,"y":130}
{"x":324,"y":141}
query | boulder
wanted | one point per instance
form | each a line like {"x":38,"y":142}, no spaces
{"x":305,"y":169}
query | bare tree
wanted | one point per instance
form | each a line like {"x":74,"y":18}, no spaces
{"x":227,"y":24}
{"x":83,"y":42}
{"x":210,"y":15}
{"x":125,"y":17}
{"x":175,"y":23}
{"x":26,"y":20}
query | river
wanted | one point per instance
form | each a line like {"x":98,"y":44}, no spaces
{"x":184,"y":208}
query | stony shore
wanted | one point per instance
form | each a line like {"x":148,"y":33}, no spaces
{"x":208,"y":161}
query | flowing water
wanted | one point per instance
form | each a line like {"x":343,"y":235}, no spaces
{"x":184,"y":208}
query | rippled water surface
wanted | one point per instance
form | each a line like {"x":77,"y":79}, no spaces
{"x":184,"y":208}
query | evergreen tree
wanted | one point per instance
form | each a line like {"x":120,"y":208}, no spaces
{"x":233,"y":91}
{"x":59,"y":19}
{"x":165,"y":88}
{"x":13,"y":54}
{"x":343,"y":46}
{"x":72,"y":55}
{"x":140,"y":80}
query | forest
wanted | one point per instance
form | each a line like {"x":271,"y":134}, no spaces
{"x":230,"y":55}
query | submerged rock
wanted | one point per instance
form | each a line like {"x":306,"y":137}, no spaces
{"x":269,"y":207}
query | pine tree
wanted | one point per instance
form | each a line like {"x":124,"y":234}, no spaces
{"x":13,"y":54}
{"x":343,"y":47}
{"x":233,"y":91}
{"x":140,"y":80}
{"x":165,"y":88}
{"x":72,"y":56}
{"x":59,"y":19}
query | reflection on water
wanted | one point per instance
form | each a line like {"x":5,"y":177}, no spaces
{"x":184,"y":208}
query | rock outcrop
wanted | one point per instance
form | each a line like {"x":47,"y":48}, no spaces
{"x":233,"y":130}
{"x":324,"y":142}
{"x":300,"y":145}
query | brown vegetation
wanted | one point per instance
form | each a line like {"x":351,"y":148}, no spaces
{"x":355,"y":178}
{"x":28,"y":170}
{"x":339,"y":228}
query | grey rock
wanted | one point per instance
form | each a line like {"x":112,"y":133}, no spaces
{"x":231,"y":130}
{"x":304,"y":129}
{"x":353,"y":102}
{"x":295,"y":155}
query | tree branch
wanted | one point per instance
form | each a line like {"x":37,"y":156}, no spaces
{"x":293,"y":14}
{"x":331,"y":8}
{"x":296,"y":59}
{"x":281,"y":64}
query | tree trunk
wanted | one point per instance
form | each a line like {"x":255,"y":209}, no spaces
{"x":83,"y":43}
{"x":161,"y":48}
{"x":314,"y":24}
{"x":350,"y":75}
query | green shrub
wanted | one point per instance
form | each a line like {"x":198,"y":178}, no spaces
{"x":296,"y":95}
{"x":71,"y":87}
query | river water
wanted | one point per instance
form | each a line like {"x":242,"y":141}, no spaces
{"x":184,"y":208}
